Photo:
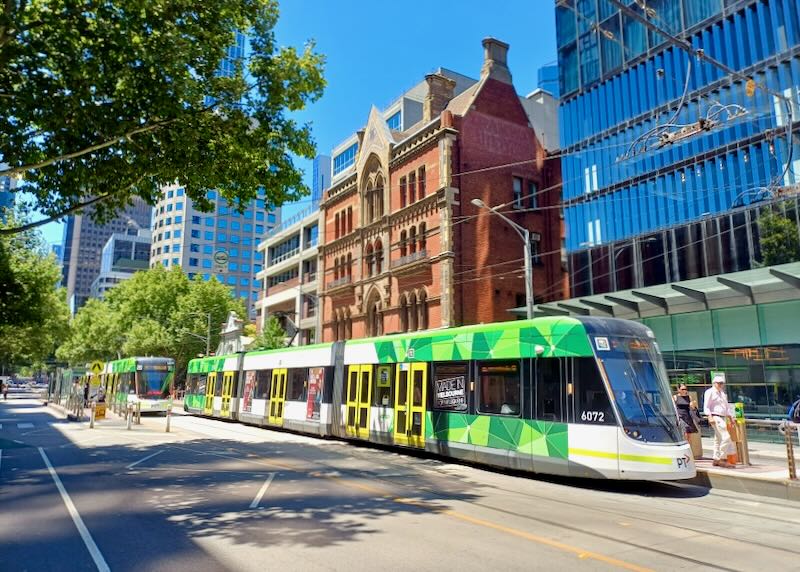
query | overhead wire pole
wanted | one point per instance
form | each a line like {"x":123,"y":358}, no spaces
{"x":702,"y":55}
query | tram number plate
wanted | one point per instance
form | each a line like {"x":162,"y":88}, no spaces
{"x":593,"y":416}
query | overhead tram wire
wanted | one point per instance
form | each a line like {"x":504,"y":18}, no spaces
{"x":702,"y":55}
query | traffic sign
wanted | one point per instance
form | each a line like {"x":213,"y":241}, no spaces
{"x":96,"y":367}
{"x":220,"y":261}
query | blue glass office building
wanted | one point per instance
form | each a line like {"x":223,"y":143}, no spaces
{"x":619,"y":81}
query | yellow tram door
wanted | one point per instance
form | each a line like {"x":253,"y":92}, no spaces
{"x":359,"y":400}
{"x":227,"y":392}
{"x":411,"y":381}
{"x":211,"y":382}
{"x":277,"y":397}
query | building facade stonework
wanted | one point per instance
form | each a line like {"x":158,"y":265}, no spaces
{"x":405,"y":249}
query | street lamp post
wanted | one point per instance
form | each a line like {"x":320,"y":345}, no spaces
{"x":525,"y":235}
{"x":208,"y":331}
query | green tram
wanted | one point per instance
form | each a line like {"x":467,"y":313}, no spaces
{"x":144,"y":380}
{"x":586,"y":397}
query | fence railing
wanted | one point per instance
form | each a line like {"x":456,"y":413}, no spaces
{"x":409,"y":258}
{"x":339,"y":282}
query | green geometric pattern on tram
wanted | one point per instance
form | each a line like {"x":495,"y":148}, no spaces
{"x":123,"y":365}
{"x":558,"y":337}
{"x":542,"y":438}
{"x":207,"y":365}
{"x":195,"y":401}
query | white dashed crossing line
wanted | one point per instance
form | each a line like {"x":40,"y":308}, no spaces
{"x":261,"y":491}
{"x":132,"y":465}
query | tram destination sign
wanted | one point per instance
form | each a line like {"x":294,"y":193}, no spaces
{"x":451,"y":393}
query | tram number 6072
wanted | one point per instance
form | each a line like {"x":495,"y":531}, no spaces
{"x":593,"y":416}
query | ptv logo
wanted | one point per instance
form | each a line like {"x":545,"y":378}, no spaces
{"x":684,"y":462}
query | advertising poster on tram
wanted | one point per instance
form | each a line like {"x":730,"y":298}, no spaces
{"x":316,"y":381}
{"x":247,"y":398}
{"x":451,"y":394}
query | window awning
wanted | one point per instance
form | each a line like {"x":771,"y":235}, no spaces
{"x":757,"y":286}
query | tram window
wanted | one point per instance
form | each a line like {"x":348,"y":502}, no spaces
{"x":548,"y":389}
{"x":591,"y":400}
{"x":263,"y":378}
{"x":296,"y":386}
{"x":218,"y":384}
{"x":384,"y":375}
{"x":202,"y":379}
{"x":499,"y":387}
{"x":451,"y":386}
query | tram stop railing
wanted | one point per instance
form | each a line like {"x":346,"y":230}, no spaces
{"x":786,"y":428}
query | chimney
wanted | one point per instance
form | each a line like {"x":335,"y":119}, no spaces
{"x":440,"y":92}
{"x":495,"y":64}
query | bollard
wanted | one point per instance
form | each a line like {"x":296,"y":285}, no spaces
{"x":788,"y":438}
{"x":742,"y":445}
{"x":138,"y":412}
{"x":169,"y":415}
{"x":129,"y":416}
{"x":91,"y":415}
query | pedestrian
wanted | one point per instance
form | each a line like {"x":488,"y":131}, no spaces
{"x":718,"y":410}
{"x":793,"y":414}
{"x":5,"y":390}
{"x":687,"y":414}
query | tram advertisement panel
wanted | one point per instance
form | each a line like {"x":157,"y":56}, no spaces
{"x":247,"y":398}
{"x":316,"y":379}
{"x":451,"y":393}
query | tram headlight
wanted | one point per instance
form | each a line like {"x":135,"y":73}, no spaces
{"x":633,"y":433}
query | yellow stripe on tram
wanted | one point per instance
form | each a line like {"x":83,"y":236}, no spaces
{"x":623,"y":456}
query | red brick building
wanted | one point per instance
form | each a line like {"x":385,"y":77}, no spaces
{"x":403,"y":247}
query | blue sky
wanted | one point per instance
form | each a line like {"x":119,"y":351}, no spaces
{"x":377,"y":49}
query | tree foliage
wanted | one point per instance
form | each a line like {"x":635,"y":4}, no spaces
{"x":33,"y":312}
{"x":107,"y":100}
{"x":780,"y":243}
{"x":157,"y":312}
{"x":272,"y":337}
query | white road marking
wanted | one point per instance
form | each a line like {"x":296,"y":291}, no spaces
{"x":99,"y":561}
{"x":24,"y":425}
{"x":262,"y":490}
{"x":132,"y":465}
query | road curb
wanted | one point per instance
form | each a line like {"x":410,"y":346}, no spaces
{"x":776,"y":488}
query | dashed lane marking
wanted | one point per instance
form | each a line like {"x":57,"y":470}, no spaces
{"x":97,"y":556}
{"x":142,"y":460}
{"x":262,"y":490}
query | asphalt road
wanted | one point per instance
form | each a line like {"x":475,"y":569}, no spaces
{"x":211,"y":495}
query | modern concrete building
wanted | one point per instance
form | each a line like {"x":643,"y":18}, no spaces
{"x":219,"y":243}
{"x":83,"y":244}
{"x":123,"y":254}
{"x":404,"y":247}
{"x":289,"y":277}
{"x":7,"y":185}
{"x":547,"y":79}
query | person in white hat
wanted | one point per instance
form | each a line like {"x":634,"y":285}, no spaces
{"x":718,"y":410}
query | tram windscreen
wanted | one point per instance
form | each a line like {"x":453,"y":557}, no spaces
{"x":154,"y":381}
{"x":638,"y":379}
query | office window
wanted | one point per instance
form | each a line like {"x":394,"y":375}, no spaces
{"x":169,"y":207}
{"x":178,"y":219}
{"x":167,"y":235}
{"x":259,"y":215}
{"x":235,"y":238}
{"x":248,"y":227}
{"x":209,"y":221}
{"x":168,"y":221}
{"x":233,"y":252}
{"x":260,"y":203}
{"x":235,"y":225}
{"x":180,"y":192}
{"x":257,"y":268}
{"x":403,"y":196}
{"x":211,"y":195}
{"x":206,"y":263}
{"x":176,"y":261}
{"x":244,"y":282}
{"x":195,"y":219}
{"x":232,"y":280}
{"x":245,"y":268}
{"x":533,"y":194}
{"x":222,"y":223}
{"x":193,"y":262}
{"x":271,"y":218}
{"x":193,"y":247}
{"x":259,"y":229}
{"x":176,"y":234}
{"x":247,"y":241}
{"x":232,"y":266}
{"x":176,"y":247}
{"x":208,"y":249}
{"x":191,"y":275}
{"x":179,"y":206}
{"x":170,"y":194}
{"x":517,"y":187}
{"x":255,"y":295}
{"x":223,"y":210}
{"x":166,"y":248}
{"x":222,"y":237}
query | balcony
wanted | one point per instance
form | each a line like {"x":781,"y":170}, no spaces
{"x":285,"y":256}
{"x":291,"y":283}
{"x":339,"y":282}
{"x":409,"y":258}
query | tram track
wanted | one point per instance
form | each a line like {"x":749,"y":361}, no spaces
{"x":393,"y":482}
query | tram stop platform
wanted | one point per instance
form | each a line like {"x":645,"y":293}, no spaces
{"x":767,"y":474}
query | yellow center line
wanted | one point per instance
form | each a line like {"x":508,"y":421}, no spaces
{"x":579,"y":552}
